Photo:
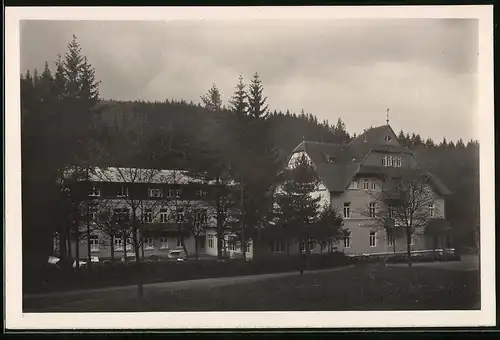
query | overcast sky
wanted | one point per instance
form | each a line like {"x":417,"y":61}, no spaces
{"x":424,"y":70}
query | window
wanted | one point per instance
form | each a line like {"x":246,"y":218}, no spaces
{"x":155,"y":192}
{"x":354,"y":185}
{"x":373,"y":239}
{"x":118,"y":243}
{"x":122,"y":191}
{"x":210,"y":241}
{"x":366,"y":184}
{"x":92,"y":214}
{"x":163,"y":243}
{"x":384,"y":161}
{"x":177,"y":193}
{"x":148,"y":215}
{"x":389,"y":160}
{"x":95,"y":191}
{"x":390,"y":212}
{"x":374,"y":185}
{"x":94,"y":243}
{"x":278,"y":247}
{"x":372,"y":210}
{"x":180,"y":243}
{"x":149,"y":243}
{"x":390,"y":238}
{"x":431,"y":210}
{"x":388,"y":139}
{"x":201,"y":216}
{"x":201,"y":193}
{"x":122,"y":215}
{"x":399,"y":162}
{"x":163,"y":216}
{"x":170,"y":193}
{"x":347,"y":210}
{"x":180,"y":216}
{"x":312,"y":245}
{"x":347,"y":240}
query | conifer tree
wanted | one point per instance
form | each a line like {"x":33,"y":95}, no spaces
{"x":212,"y":99}
{"x":296,"y":209}
{"x":257,"y":106}
{"x":238,"y":102}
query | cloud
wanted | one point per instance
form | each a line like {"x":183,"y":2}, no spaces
{"x":423,"y":69}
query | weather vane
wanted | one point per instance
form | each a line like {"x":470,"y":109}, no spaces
{"x":387,"y":117}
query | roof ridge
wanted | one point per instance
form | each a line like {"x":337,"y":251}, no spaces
{"x":318,"y":142}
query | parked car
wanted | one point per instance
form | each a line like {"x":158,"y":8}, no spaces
{"x":177,"y":254}
{"x":83,"y":264}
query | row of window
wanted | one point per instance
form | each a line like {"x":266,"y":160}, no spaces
{"x":372,"y":210}
{"x":392,"y":161}
{"x":233,"y":246}
{"x":372,"y":240}
{"x":149,"y":243}
{"x":95,"y":191}
{"x":367,"y":184}
{"x":123,"y":215}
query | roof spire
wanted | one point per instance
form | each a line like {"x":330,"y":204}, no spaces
{"x":387,"y":117}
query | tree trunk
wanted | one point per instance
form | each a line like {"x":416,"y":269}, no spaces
{"x":140,"y":287}
{"x":434,"y":242}
{"x":69,"y":239}
{"x":243,"y":241}
{"x":77,"y":249}
{"x":408,"y":247}
{"x":113,"y":248}
{"x":184,"y":246}
{"x":62,"y":243}
{"x":196,"y":241}
{"x":220,"y":231}
{"x":89,"y":248}
{"x":124,"y":246}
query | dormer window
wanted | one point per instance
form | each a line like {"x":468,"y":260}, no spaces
{"x":354,"y":185}
{"x":154,"y":192}
{"x":122,"y":191}
{"x":95,"y":191}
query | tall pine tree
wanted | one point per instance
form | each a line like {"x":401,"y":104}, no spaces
{"x":212,"y":99}
{"x":257,"y":106}
{"x":238,"y":102}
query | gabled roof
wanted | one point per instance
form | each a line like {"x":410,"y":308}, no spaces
{"x":338,"y":164}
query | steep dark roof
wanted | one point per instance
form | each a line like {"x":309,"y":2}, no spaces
{"x":337,"y":164}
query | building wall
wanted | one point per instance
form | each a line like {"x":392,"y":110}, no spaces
{"x":360,"y":225}
{"x":104,"y":249}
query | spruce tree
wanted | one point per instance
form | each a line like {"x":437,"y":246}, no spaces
{"x":238,"y":102}
{"x":212,"y":99}
{"x":257,"y":106}
{"x":296,"y":209}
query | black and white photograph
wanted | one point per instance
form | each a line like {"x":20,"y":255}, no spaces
{"x":249,"y":160}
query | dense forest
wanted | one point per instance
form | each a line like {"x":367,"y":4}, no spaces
{"x":64,"y":121}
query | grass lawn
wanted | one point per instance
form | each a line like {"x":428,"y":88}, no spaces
{"x":365,"y":287}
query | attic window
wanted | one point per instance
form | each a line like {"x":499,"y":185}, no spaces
{"x":388,"y":139}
